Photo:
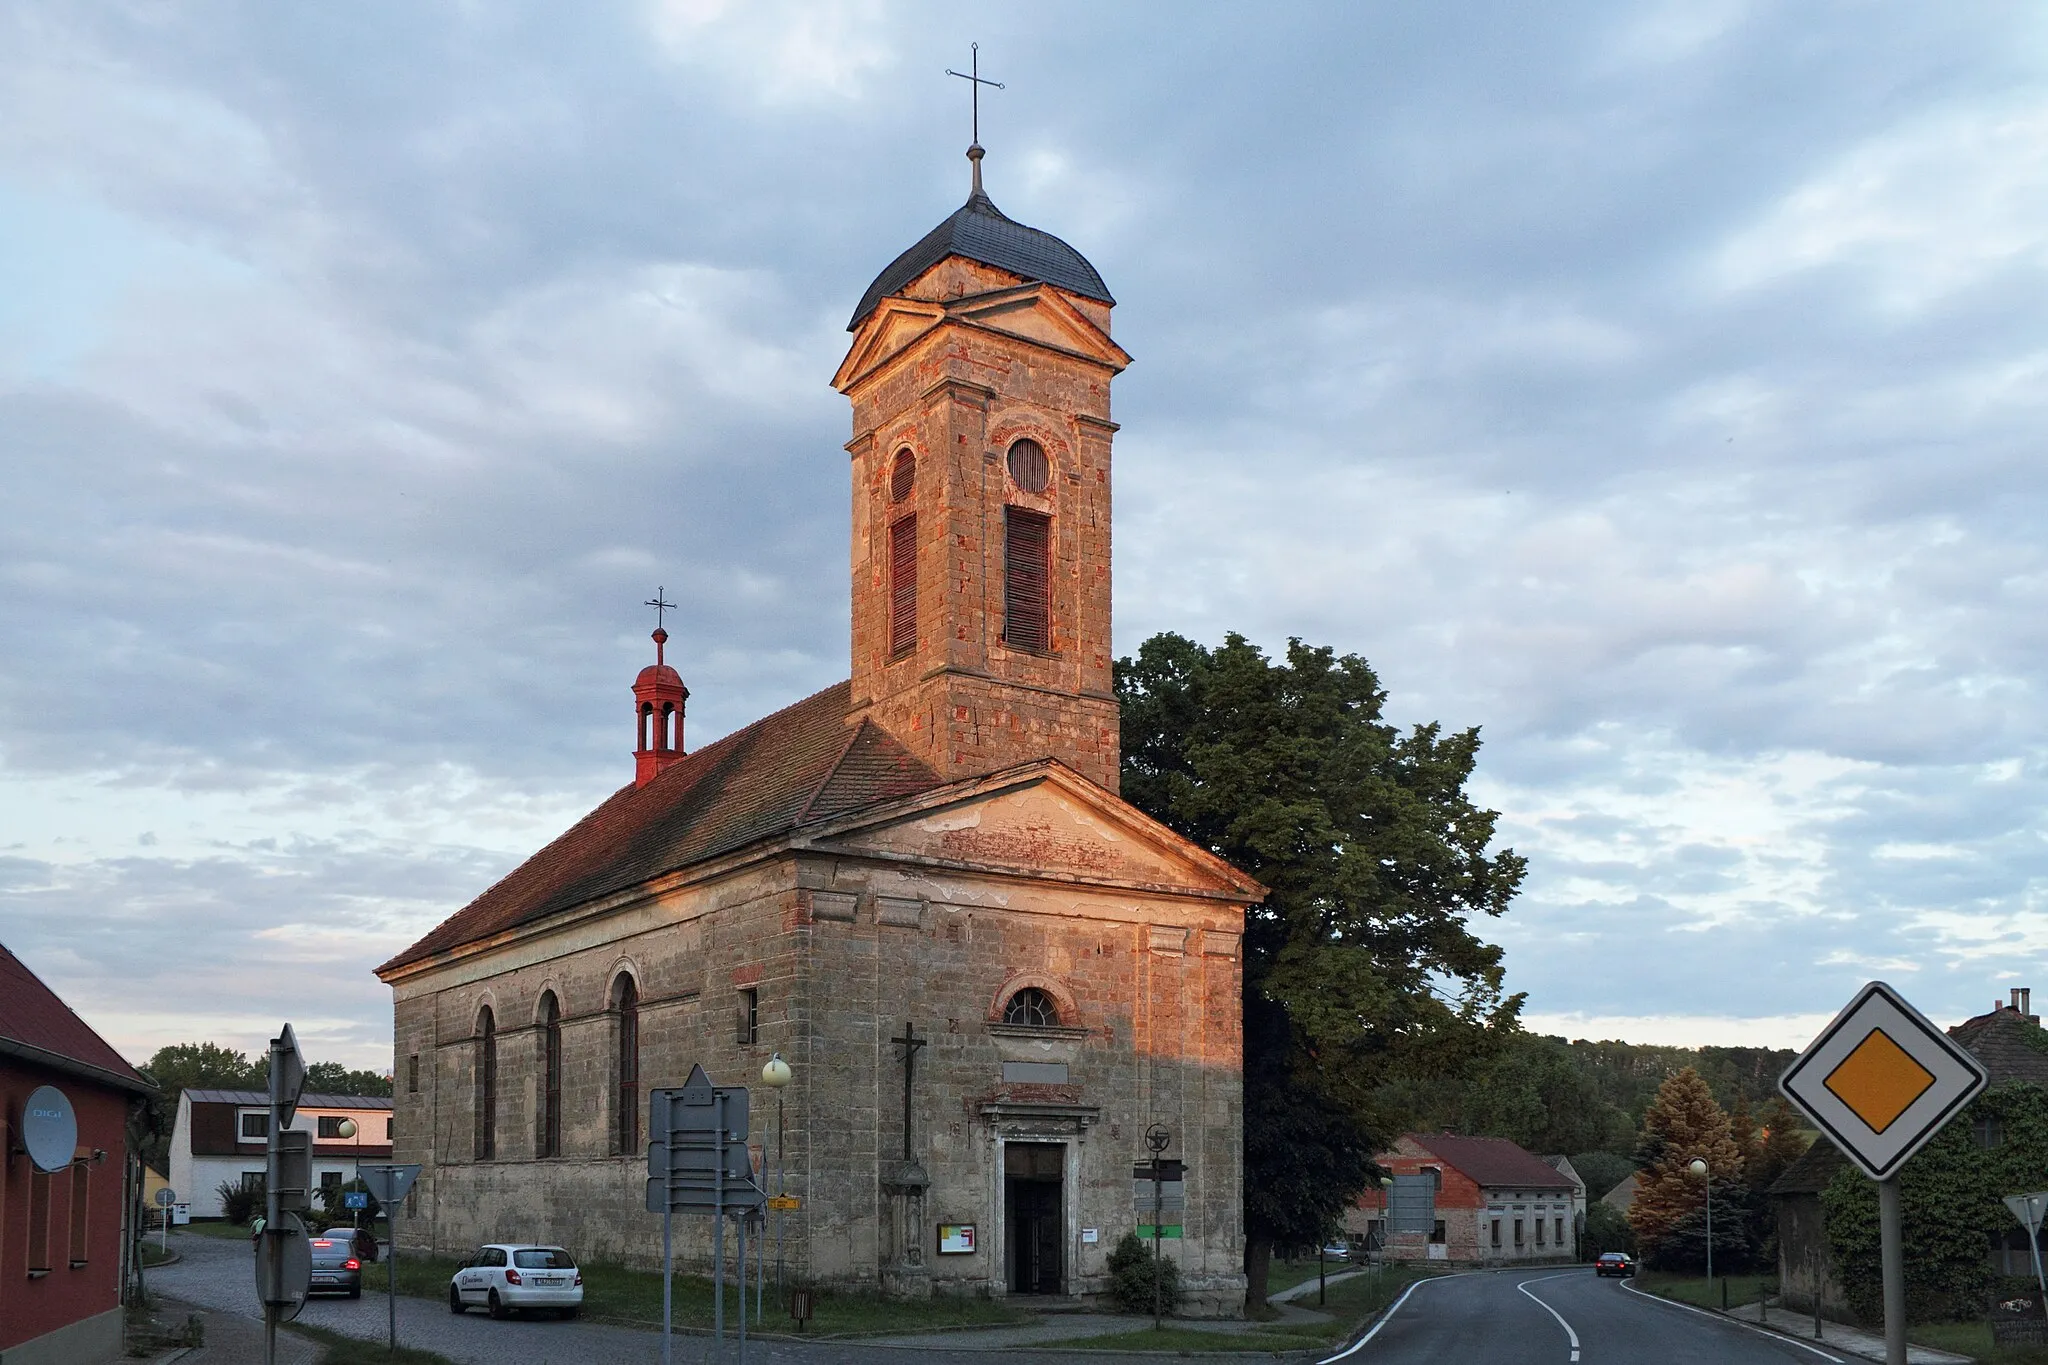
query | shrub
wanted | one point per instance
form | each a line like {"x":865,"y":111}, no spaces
{"x":1131,"y":1275}
{"x":238,"y":1203}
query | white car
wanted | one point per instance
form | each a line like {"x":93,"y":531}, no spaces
{"x":507,"y":1276}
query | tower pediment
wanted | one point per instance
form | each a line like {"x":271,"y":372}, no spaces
{"x":1037,"y":313}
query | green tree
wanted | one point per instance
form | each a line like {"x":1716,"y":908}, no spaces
{"x":1361,"y":965}
{"x":332,"y":1078}
{"x":1683,"y":1124}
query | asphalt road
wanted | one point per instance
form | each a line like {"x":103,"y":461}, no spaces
{"x":1559,"y":1318}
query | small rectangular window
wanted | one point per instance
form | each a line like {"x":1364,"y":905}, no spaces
{"x":387,"y":1129}
{"x":1027,"y":571}
{"x":903,"y":588}
{"x":38,"y":1222}
{"x":1560,"y":1230}
{"x":255,"y":1127}
{"x":750,"y":1016}
{"x":330,"y":1180}
{"x":329,"y":1125}
{"x":1496,"y":1232}
{"x":81,"y":1192}
{"x":253,"y":1180}
{"x":1436,"y":1232}
{"x":412,"y":1074}
{"x":1518,"y":1232}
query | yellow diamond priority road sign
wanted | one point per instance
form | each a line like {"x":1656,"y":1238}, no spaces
{"x":1881,"y":1080}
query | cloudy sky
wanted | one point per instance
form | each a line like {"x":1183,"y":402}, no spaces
{"x":1658,"y":387}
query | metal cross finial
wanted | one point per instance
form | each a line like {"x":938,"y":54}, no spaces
{"x":660,"y":605}
{"x":975,"y":81}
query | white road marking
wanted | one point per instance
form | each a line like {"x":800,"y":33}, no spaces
{"x":1761,"y":1331}
{"x":1388,"y":1316}
{"x":1524,"y":1288}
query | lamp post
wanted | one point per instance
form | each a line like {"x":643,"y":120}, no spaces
{"x":349,"y":1128}
{"x":1698,"y":1166}
{"x":775,"y":1075}
{"x":1379,"y":1262}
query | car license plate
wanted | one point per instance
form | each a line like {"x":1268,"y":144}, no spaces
{"x":547,"y":1279}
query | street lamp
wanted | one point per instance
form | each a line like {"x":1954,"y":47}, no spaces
{"x":1698,"y":1166}
{"x":775,"y":1075}
{"x":348,"y":1128}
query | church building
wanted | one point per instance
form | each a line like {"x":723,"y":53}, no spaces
{"x":933,"y":851}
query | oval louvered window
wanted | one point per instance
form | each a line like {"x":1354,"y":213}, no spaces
{"x":902,"y":476}
{"x":1029,"y":467}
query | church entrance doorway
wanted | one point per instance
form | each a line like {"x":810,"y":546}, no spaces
{"x":1033,"y":1195}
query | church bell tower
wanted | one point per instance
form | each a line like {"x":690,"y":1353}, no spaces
{"x":979,"y":376}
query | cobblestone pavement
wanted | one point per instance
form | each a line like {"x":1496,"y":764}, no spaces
{"x":219,"y":1275}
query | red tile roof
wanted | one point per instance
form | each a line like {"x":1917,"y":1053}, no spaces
{"x":1494,"y":1162}
{"x":802,"y":764}
{"x":38,"y":1027}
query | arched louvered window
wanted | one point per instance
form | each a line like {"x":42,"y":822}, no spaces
{"x":1027,"y":574}
{"x":903,"y":587}
{"x":1031,"y":1007}
{"x":548,"y":1137}
{"x":486,"y":1085}
{"x":1029,"y":469}
{"x":902,"y":476}
{"x":626,"y":1072}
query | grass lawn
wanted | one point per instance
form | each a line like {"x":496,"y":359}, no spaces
{"x":1350,"y":1305}
{"x":1974,"y":1339}
{"x":214,"y":1227}
{"x":1287,"y":1274}
{"x":343,"y":1350}
{"x":633,"y":1297}
{"x":1693,"y":1289}
{"x":1187,"y":1341}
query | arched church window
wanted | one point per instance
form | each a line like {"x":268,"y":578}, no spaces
{"x":1027,"y":571}
{"x":1031,"y":1007}
{"x":626,"y":1073}
{"x":903,"y":587}
{"x":548,"y":1141}
{"x":1028,"y":466}
{"x":486,"y":1085}
{"x":902,"y":475}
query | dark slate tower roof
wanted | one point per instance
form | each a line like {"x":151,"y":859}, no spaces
{"x":979,"y":231}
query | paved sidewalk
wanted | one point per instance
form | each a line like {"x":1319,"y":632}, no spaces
{"x":1842,"y":1339}
{"x":237,"y":1339}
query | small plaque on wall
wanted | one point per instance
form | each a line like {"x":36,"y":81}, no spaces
{"x":956,"y":1239}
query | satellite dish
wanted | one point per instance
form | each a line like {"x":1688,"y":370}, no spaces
{"x":49,"y":1128}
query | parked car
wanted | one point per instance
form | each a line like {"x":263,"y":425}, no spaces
{"x":505,"y":1277}
{"x":1337,"y":1251}
{"x":336,"y":1267}
{"x":1614,"y":1263}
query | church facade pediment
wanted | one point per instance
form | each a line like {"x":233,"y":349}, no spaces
{"x":1040,"y":821}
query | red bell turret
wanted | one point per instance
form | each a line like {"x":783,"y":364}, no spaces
{"x":658,"y":699}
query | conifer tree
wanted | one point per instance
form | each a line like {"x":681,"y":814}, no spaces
{"x":1681,"y":1124}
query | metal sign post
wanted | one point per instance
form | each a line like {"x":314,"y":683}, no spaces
{"x":2030,"y":1209}
{"x":166,"y":1197}
{"x":390,"y":1185}
{"x":1881,"y":1080}
{"x":697,"y":1162}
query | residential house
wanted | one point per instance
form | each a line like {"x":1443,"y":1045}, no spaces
{"x":62,"y":1211}
{"x":220,"y":1137}
{"x":1472,"y":1200}
{"x":1563,"y":1166}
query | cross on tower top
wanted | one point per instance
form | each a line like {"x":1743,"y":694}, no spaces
{"x":975,"y":81}
{"x":660,"y":605}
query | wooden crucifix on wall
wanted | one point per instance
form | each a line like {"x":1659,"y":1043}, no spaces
{"x":910,"y":1043}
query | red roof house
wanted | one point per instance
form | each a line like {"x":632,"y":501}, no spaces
{"x":61,"y":1226}
{"x":1474,"y":1200}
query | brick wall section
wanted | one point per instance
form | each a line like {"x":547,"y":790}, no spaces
{"x":1468,"y":1210}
